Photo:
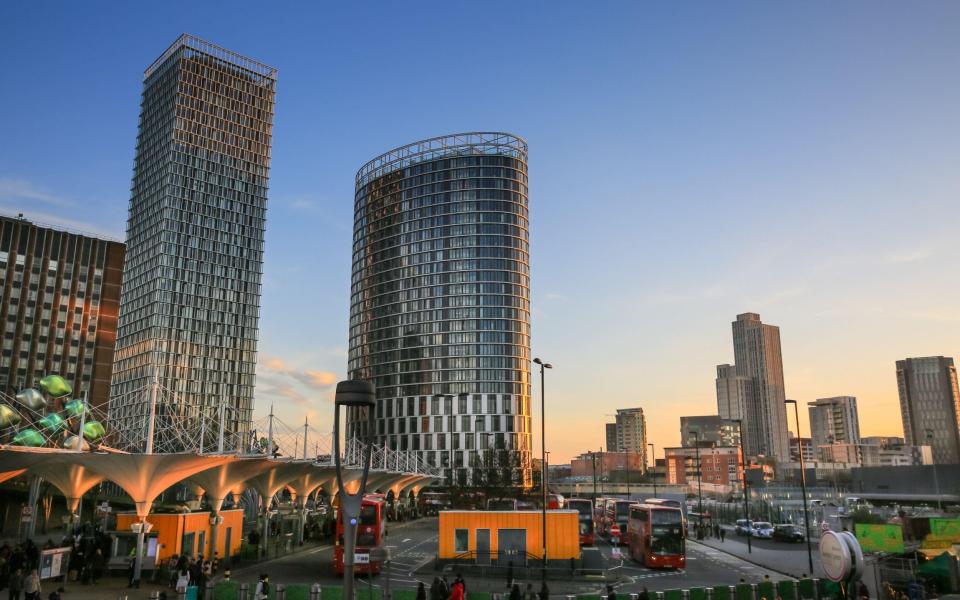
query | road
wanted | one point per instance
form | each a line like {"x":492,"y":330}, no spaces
{"x":413,"y":546}
{"x":785,"y":557}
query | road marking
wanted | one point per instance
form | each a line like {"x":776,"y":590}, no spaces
{"x":408,"y":539}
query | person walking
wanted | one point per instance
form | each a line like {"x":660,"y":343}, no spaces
{"x":515,"y":592}
{"x":436,"y":590}
{"x":644,"y":595}
{"x":16,"y":584}
{"x":510,"y":575}
{"x":421,"y":591}
{"x":529,"y":594}
{"x":544,"y":591}
{"x":723,"y":535}
{"x":456,"y":592}
{"x":262,"y":590}
{"x":31,"y":586}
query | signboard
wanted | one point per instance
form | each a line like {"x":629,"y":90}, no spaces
{"x":879,"y":538}
{"x":361,"y":559}
{"x":26,"y":514}
{"x":53,"y":562}
{"x":834,"y":556}
{"x":946,"y":529}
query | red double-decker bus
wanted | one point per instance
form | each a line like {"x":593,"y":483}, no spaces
{"x":584,"y":507}
{"x":371,"y":528}
{"x":656,"y":536}
{"x":616,"y":512}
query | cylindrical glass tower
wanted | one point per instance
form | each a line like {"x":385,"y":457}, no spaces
{"x":440,"y":304}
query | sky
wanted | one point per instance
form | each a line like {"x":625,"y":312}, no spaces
{"x":689,"y":161}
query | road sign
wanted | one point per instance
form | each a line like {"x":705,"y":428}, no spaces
{"x":835,"y":556}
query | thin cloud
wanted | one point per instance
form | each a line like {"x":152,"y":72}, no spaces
{"x":910,"y":256}
{"x":19,"y":190}
{"x":313,"y":378}
{"x":42,"y":218}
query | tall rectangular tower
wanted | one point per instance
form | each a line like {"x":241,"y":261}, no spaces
{"x":930,"y":405}
{"x":833,"y":421}
{"x":632,"y":432}
{"x":757,"y":355}
{"x":191,"y":295}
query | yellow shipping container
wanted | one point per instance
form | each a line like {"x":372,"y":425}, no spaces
{"x":473,"y":534}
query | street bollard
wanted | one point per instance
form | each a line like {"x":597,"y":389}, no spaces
{"x":753,"y":588}
{"x":634,"y":596}
{"x":243,"y":592}
{"x":281,"y":592}
{"x":315,"y":592}
{"x":709,"y":592}
{"x":796,"y":588}
{"x":154,"y":595}
{"x":685,"y":594}
{"x":659,"y":595}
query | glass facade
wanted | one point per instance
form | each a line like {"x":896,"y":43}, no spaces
{"x":192,"y":278}
{"x":60,"y":295}
{"x":440,"y":303}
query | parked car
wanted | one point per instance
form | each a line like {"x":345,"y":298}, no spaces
{"x":763,"y":530}
{"x":787,"y":533}
{"x":743,"y":527}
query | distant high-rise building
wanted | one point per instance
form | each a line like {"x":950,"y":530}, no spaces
{"x":833,"y":421}
{"x":440,"y":303}
{"x":611,"y":436}
{"x":733,"y":391}
{"x":806,"y":444}
{"x":631,"y":432}
{"x":930,"y":405}
{"x":59,"y":296}
{"x":192,"y":279}
{"x":885,"y":441}
{"x":757,"y":355}
{"x":711,"y":431}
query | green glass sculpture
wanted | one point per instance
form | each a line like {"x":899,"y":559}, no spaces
{"x":93,"y":431}
{"x":52,"y":423}
{"x":32,"y":399}
{"x":56,"y":386}
{"x":74,"y":408}
{"x":8,"y":417}
{"x":28,"y":437}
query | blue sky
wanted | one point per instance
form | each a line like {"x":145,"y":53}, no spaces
{"x":688,"y":162}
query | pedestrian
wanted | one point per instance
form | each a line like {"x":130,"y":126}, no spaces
{"x":421,"y":591}
{"x":31,"y":586}
{"x":456,"y":592}
{"x":723,"y":535}
{"x":611,"y":595}
{"x":436,"y":590}
{"x":263,"y":588}
{"x":716,"y":530}
{"x":183,"y":580}
{"x":16,"y":584}
{"x":515,"y":592}
{"x":528,"y":593}
{"x":544,"y":591}
{"x":445,"y":587}
{"x":462,"y":583}
{"x":644,"y":595}
{"x":510,"y":575}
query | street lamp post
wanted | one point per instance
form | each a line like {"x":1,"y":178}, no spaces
{"x":543,"y":463}
{"x":653,"y":472}
{"x":696,"y":447}
{"x":803,"y":486}
{"x":746,"y":492}
{"x":352,"y":394}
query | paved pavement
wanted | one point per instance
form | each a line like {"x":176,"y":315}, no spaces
{"x":783,"y":557}
{"x":413,"y":546}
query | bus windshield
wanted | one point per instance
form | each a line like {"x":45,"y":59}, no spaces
{"x":368,"y":515}
{"x":666,"y":517}
{"x":584,"y":507}
{"x":623,"y":509}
